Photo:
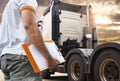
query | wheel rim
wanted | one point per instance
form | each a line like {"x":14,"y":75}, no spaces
{"x":109,"y":70}
{"x":75,"y":70}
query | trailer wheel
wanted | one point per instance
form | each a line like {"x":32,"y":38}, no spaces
{"x":107,"y":66}
{"x":75,"y":68}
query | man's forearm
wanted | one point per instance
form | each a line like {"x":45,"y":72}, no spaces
{"x":36,"y":39}
{"x":33,"y":32}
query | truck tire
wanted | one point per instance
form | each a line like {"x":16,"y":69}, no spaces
{"x":107,"y":66}
{"x":75,"y":68}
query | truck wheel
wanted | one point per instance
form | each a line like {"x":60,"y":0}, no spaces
{"x":75,"y":68}
{"x":45,"y":74}
{"x":107,"y":66}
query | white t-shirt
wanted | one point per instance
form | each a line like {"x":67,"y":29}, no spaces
{"x":12,"y":32}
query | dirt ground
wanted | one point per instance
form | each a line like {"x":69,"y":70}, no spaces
{"x":1,"y":76}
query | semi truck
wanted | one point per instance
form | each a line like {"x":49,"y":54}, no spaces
{"x":73,"y":29}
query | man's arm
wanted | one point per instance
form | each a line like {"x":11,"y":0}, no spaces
{"x":35,"y":36}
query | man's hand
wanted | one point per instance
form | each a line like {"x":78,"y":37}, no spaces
{"x":52,"y":63}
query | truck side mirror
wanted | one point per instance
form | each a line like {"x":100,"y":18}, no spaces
{"x":40,"y":25}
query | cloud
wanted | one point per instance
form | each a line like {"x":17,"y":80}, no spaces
{"x":117,"y":0}
{"x":115,"y":17}
{"x":43,"y":2}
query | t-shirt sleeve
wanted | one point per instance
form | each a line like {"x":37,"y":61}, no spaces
{"x":27,"y":4}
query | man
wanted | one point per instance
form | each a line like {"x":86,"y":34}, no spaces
{"x":18,"y":26}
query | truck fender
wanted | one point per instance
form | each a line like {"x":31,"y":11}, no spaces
{"x":99,"y":49}
{"x":75,"y":51}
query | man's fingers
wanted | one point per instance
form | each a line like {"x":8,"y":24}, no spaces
{"x":54,"y":64}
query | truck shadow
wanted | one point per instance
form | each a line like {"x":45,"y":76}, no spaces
{"x":57,"y":78}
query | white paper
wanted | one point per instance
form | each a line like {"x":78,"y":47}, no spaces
{"x":39,"y":59}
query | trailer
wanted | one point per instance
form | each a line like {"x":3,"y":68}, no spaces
{"x":73,"y":29}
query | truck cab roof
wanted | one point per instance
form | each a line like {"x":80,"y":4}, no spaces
{"x":69,"y":7}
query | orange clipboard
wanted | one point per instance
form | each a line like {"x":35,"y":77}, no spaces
{"x":35,"y":58}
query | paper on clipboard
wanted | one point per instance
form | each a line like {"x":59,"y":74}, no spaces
{"x":37,"y":60}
